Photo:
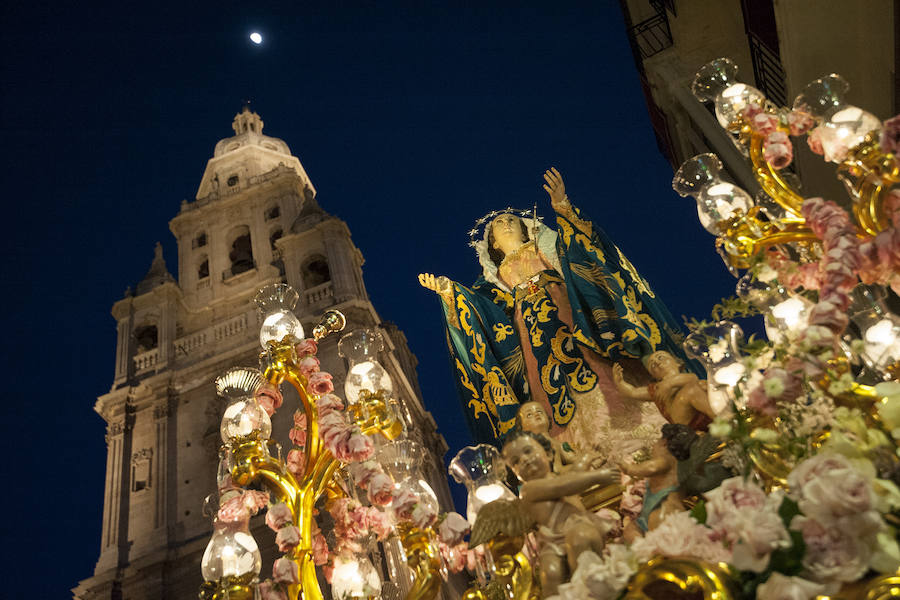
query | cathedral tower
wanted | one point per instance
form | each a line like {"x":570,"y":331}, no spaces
{"x":255,"y":221}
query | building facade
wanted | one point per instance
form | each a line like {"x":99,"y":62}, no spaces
{"x":255,"y":221}
{"x":779,"y":47}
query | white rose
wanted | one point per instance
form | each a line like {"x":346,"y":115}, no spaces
{"x":780,"y":587}
{"x":758,"y":533}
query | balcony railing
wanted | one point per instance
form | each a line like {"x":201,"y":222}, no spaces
{"x":768,"y":71}
{"x":650,"y":36}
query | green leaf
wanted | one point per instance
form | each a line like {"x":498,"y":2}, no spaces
{"x":789,"y":561}
{"x":788,"y":510}
{"x":699,"y":512}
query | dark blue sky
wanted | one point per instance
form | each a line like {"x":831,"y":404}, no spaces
{"x":411,"y":122}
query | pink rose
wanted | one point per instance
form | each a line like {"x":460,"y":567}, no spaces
{"x":287,"y":538}
{"x":360,"y":447}
{"x":306,"y":347}
{"x":731,"y":496}
{"x":308,"y":365}
{"x":423,"y":515}
{"x":777,"y":150}
{"x":285,"y":570}
{"x":296,"y":463}
{"x":329,"y":402}
{"x":380,"y":489}
{"x":278,"y":516}
{"x":831,"y":554}
{"x":799,"y":122}
{"x":816,"y":466}
{"x":320,"y":383}
{"x":680,"y":535}
{"x":379,"y":523}
{"x":814,"y":139}
{"x":453,"y":528}
{"x":319,"y":548}
{"x":764,"y":123}
{"x":758,"y":534}
{"x":269,"y":398}
{"x":890,"y":136}
{"x":298,"y":437}
{"x":782,"y":587}
{"x":269,"y":591}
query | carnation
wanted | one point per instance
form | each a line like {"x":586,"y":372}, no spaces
{"x":285,"y":570}
{"x":680,"y":535}
{"x":278,"y":516}
{"x":287,"y":538}
{"x":782,"y":587}
{"x":305,"y":347}
{"x":319,"y":383}
{"x":453,"y":528}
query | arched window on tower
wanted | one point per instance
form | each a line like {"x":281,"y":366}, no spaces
{"x":241,"y":254}
{"x":315,"y":271}
{"x":146,"y":338}
{"x":203,"y":268}
{"x":276,"y":235}
{"x":273,"y":212}
{"x":200,"y":240}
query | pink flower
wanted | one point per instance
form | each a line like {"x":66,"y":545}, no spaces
{"x":453,"y":528}
{"x":233,"y":510}
{"x":732,"y":496}
{"x":380,"y":489}
{"x":269,"y":398}
{"x":423,"y":515}
{"x":890,"y":135}
{"x":319,"y":548}
{"x":255,"y":500}
{"x":831,"y":555}
{"x":758,"y":534}
{"x":782,"y":587}
{"x":455,"y":556}
{"x":320,"y":383}
{"x":308,"y":365}
{"x":799,"y":122}
{"x":278,"y":516}
{"x":359,"y":447}
{"x":760,"y":403}
{"x":296,"y":462}
{"x":814,"y":139}
{"x":764,"y":123}
{"x":300,"y":419}
{"x":287,"y":538}
{"x":379,"y":523}
{"x":751,"y":111}
{"x":306,"y":347}
{"x":329,"y":402}
{"x":285,"y":570}
{"x":777,"y":150}
{"x":404,"y":501}
{"x":679,"y":535}
{"x":633,"y":497}
{"x":298,"y":436}
{"x":829,"y":315}
{"x":269,"y":591}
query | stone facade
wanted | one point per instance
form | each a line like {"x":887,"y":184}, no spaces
{"x":255,"y":221}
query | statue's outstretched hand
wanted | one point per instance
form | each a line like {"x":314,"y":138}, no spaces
{"x":556,"y":189}
{"x":440,"y":285}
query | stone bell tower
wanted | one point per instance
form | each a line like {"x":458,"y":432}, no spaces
{"x":255,"y":221}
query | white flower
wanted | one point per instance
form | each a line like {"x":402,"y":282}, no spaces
{"x":780,"y":587}
{"x":758,"y":532}
{"x":598,"y":578}
{"x":718,"y":350}
{"x":720,"y":428}
{"x":773,"y":387}
{"x":766,"y":273}
{"x":764,"y":435}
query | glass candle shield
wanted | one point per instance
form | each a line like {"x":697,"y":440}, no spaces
{"x":879,"y":329}
{"x":231,"y":552}
{"x":716,"y":82}
{"x":843,"y":126}
{"x":716,"y":347}
{"x":482,"y":470}
{"x":275,"y":304}
{"x":401,"y":461}
{"x":361,"y":348}
{"x":784,"y":313}
{"x":244,"y":418}
{"x":354,"y":577}
{"x":717,"y":200}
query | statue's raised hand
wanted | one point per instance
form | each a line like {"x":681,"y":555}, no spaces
{"x":440,"y":285}
{"x":556,"y":189}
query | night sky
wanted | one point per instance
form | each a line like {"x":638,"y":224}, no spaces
{"x":411,"y":123}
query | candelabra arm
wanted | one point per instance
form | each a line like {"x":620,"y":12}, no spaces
{"x":423,"y":558}
{"x":769,"y":178}
{"x":513,"y":568}
{"x":709,"y":580}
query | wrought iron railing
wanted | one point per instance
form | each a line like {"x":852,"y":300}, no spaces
{"x":768,"y":71}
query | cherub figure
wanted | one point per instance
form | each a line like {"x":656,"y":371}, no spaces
{"x":533,"y":418}
{"x":663,"y":496}
{"x":680,"y":397}
{"x":566,"y":529}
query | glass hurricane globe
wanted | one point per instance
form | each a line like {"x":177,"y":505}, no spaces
{"x":275,"y":304}
{"x":482,"y":470}
{"x":716,"y":82}
{"x":360,"y":348}
{"x":354,"y":577}
{"x":243,"y":418}
{"x":231,"y":552}
{"x":716,"y":346}
{"x":717,"y":200}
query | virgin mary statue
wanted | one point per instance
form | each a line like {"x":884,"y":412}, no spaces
{"x":551,"y":313}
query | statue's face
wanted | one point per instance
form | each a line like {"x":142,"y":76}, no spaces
{"x":533,"y":418}
{"x":527,"y":458}
{"x":661,"y":364}
{"x":507,"y":230}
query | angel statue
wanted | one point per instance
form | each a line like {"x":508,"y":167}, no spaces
{"x":551,"y":313}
